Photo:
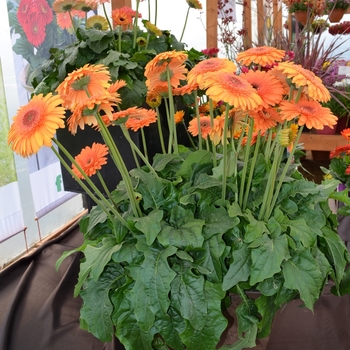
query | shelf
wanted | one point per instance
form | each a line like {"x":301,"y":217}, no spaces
{"x":320,"y":142}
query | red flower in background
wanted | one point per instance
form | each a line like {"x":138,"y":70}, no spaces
{"x":33,"y":16}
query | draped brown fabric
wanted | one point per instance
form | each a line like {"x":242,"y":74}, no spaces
{"x":38,"y":310}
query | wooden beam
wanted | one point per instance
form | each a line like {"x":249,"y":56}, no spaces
{"x":120,"y":3}
{"x":277,"y":16}
{"x":212,"y":23}
{"x":247,"y":23}
{"x":318,"y":142}
{"x":261,"y":22}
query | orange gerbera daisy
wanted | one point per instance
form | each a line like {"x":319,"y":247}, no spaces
{"x":263,"y":56}
{"x":179,"y":116}
{"x":164,"y":58}
{"x":159,"y":77}
{"x":84,"y":113}
{"x":232,"y":89}
{"x":217,"y":129}
{"x":35,"y":124}
{"x":198,"y":72}
{"x":266,"y":118}
{"x":139,"y":118}
{"x":204,"y":125}
{"x":268,"y":87}
{"x":118,"y":84}
{"x":184,"y":90}
{"x":304,"y":78}
{"x":309,"y":113}
{"x":346,"y":133}
{"x":78,"y":86}
{"x":63,"y":20}
{"x":121,"y":17}
{"x":90,"y":159}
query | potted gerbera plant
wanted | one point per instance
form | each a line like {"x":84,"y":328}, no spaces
{"x":179,"y":234}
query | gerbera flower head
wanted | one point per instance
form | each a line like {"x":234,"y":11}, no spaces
{"x":232,"y":89}
{"x":205,"y":126}
{"x":36,"y":123}
{"x":163,"y":59}
{"x":60,"y":6}
{"x":153,"y":99}
{"x":90,"y":159}
{"x":64,"y":21}
{"x":268,"y":87}
{"x":121,"y":17}
{"x":198,"y":73}
{"x":308,"y":113}
{"x":195,"y":4}
{"x":141,"y":41}
{"x":97,"y":22}
{"x":262,"y":55}
{"x":86,"y":5}
{"x":78,"y":86}
{"x":301,"y":77}
{"x":265,"y":119}
{"x":151,"y":28}
{"x":139,"y":118}
{"x":179,"y":116}
{"x":346,"y":133}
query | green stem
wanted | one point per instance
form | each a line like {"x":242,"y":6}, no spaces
{"x":73,"y":25}
{"x":155,"y":12}
{"x":225,"y":157}
{"x":144,"y":144}
{"x":108,"y":193}
{"x":251,"y":172}
{"x":211,"y":114}
{"x":160,"y":131}
{"x":246,"y":161}
{"x":183,"y":30}
{"x":120,"y":164}
{"x":198,"y":120}
{"x":136,"y":23}
{"x":172,"y":126}
{"x":119,"y":38}
{"x":284,"y":172}
{"x":137,"y":150}
{"x":106,"y":16}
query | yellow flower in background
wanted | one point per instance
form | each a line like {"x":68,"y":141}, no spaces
{"x":153,"y":99}
{"x":97,"y":22}
{"x":195,"y":4}
{"x":35,"y":124}
{"x":152,"y":28}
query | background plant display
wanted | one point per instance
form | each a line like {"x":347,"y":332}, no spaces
{"x":182,"y":231}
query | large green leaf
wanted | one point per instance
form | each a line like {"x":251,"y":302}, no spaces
{"x":187,"y":235}
{"x":215,"y":323}
{"x":150,"y":225}
{"x":188,"y":296}
{"x":217,"y":221}
{"x":301,"y":232}
{"x":150,"y":294}
{"x":247,"y":316}
{"x":334,"y":249}
{"x":239,"y":270}
{"x":301,"y":272}
{"x":95,"y":315}
{"x":243,"y":343}
{"x":267,"y":309}
{"x":193,"y":162}
{"x":170,"y":327}
{"x":267,"y":258}
{"x":96,"y":258}
{"x":97,"y":215}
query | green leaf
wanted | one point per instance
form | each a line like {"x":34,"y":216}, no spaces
{"x":267,"y":309}
{"x":301,"y":232}
{"x":217,"y":221}
{"x":344,"y":286}
{"x":193,"y":161}
{"x":150,"y":225}
{"x":187,"y":235}
{"x":97,"y":215}
{"x":188,"y":296}
{"x":267,"y":258}
{"x":67,"y":254}
{"x":170,"y":327}
{"x":336,"y":252}
{"x":301,"y":272}
{"x":152,"y":287}
{"x":254,"y":229}
{"x":239,"y":270}
{"x":247,"y":313}
{"x":243,"y":343}
{"x":215,"y":323}
{"x":95,"y":315}
{"x":118,"y":229}
{"x":152,"y":189}
{"x":271,"y":286}
{"x":96,"y":258}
